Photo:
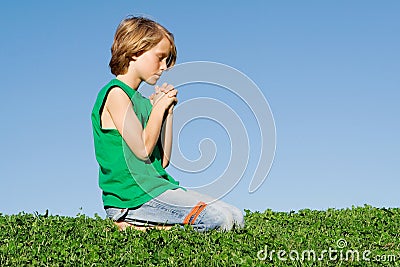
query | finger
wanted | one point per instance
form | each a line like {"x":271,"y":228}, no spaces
{"x":163,"y":87}
{"x":157,"y":88}
{"x":169,"y":87}
{"x":174,"y":100}
{"x":173,"y":93}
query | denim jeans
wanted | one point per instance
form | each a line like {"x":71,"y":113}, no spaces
{"x":180,"y":207}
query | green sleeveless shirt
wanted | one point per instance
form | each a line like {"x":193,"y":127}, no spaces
{"x":127,"y":181}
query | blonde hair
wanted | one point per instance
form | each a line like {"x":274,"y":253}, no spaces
{"x":136,"y":35}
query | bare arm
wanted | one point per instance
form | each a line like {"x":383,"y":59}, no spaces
{"x":140,"y":141}
{"x":166,"y":138}
{"x":166,"y":131}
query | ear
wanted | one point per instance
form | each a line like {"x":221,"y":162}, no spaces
{"x":136,"y":55}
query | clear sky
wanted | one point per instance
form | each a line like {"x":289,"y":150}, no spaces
{"x":330,"y":71}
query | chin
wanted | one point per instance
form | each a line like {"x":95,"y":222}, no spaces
{"x":151,"y":81}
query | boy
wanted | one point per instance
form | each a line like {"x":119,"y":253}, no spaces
{"x":133,"y":139}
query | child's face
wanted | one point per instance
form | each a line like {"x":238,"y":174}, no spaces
{"x":150,"y":65}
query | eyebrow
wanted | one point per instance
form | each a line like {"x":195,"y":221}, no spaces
{"x":162,"y":54}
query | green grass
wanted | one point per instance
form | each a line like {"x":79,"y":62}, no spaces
{"x":35,"y":240}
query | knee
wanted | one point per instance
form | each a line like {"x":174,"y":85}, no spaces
{"x":238,"y":217}
{"x":227,"y":221}
{"x":222,"y":218}
{"x":232,"y":218}
{"x":212,"y":218}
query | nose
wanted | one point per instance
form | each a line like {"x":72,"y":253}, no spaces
{"x":163,"y":65}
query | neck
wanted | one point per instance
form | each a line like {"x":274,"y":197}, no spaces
{"x":129,"y":80}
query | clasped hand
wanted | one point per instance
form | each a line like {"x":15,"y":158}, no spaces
{"x":165,"y":95}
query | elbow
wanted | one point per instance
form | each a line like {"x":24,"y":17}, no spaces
{"x":143,"y":158}
{"x":165,"y":163}
{"x":142,"y":155}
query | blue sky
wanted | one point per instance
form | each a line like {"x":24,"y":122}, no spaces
{"x":329,"y":70}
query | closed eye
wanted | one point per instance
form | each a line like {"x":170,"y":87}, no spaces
{"x":162,"y":56}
